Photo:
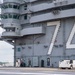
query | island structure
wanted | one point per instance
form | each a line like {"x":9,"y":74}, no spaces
{"x":41,"y":31}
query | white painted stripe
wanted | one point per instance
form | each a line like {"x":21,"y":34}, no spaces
{"x":57,"y":23}
{"x":19,"y":73}
{"x":68,"y":44}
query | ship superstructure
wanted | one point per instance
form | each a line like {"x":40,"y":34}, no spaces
{"x":42,"y":31}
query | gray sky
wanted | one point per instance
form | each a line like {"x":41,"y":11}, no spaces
{"x":6,"y":51}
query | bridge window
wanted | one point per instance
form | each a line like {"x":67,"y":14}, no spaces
{"x":5,"y":6}
{"x":13,"y":16}
{"x":10,"y":16}
{"x":10,"y":6}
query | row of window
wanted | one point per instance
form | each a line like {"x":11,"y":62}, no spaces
{"x":10,"y":29}
{"x":10,"y":6}
{"x":13,"y":6}
{"x":6,"y":16}
{"x":14,"y":16}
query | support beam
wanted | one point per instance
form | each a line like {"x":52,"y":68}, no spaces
{"x":0,"y":5}
{"x":0,"y":20}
